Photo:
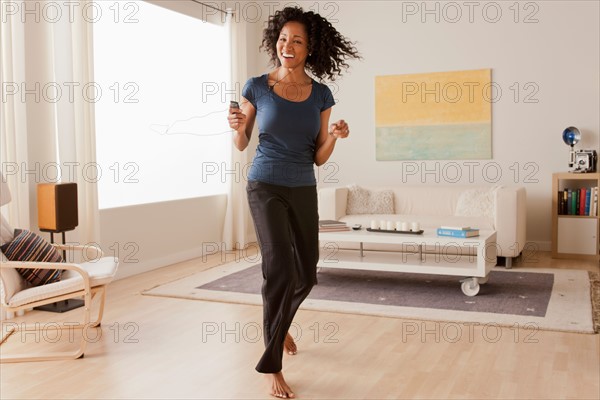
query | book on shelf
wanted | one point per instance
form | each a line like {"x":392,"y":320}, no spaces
{"x":586,"y":202}
{"x":459,"y":233}
{"x":594,"y":202}
{"x":582,"y":202}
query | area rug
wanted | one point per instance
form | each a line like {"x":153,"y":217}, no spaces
{"x":548,"y":299}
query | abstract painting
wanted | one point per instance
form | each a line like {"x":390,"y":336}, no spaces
{"x":434,"y":116}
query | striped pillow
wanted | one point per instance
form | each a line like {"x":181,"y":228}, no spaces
{"x":28,"y":246}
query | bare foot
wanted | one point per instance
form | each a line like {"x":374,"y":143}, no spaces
{"x":290,"y":345}
{"x":279,"y":388}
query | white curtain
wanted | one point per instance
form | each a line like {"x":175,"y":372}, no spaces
{"x":237,"y":230}
{"x":13,"y":121}
{"x":50,"y":136}
{"x":73,"y":49}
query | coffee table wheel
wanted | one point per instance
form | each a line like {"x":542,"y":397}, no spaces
{"x":470,"y":287}
{"x":484,"y":280}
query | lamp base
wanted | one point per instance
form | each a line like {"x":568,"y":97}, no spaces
{"x":62,"y":306}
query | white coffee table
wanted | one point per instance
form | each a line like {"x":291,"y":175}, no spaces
{"x":442,"y":261}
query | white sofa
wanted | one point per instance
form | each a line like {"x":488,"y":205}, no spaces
{"x":486,"y":207}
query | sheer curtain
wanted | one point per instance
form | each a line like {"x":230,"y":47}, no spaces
{"x":13,"y":121}
{"x":237,"y":228}
{"x":47,"y":137}
{"x":75,"y":124}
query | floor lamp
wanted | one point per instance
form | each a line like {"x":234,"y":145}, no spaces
{"x":58,"y":213}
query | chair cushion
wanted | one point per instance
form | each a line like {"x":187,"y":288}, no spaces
{"x":28,"y":246}
{"x":12,"y":282}
{"x":101,"y":272}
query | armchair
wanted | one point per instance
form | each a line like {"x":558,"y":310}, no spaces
{"x":87,"y":279}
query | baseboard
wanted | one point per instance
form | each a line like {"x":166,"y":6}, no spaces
{"x":129,"y":269}
{"x":542,"y":246}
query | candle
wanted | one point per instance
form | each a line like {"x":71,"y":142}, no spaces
{"x":390,"y":226}
{"x":415,"y":226}
{"x":374,"y":224}
{"x":405,"y":226}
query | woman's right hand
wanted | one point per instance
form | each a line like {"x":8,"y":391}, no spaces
{"x":237,"y":120}
{"x":241,"y":120}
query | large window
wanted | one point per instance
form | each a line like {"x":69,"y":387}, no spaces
{"x":162,"y":81}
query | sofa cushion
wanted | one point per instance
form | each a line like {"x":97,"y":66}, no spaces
{"x":28,"y":246}
{"x":426,"y":199}
{"x":477,"y":203}
{"x":364,"y":201}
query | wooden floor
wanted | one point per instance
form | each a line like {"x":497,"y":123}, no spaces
{"x":162,"y":348}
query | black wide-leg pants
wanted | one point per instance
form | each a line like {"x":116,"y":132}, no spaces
{"x":287,"y":227}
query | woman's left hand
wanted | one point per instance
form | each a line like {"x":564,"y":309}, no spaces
{"x":339,"y":129}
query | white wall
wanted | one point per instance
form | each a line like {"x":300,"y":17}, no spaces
{"x":558,"y":56}
{"x":149,"y":236}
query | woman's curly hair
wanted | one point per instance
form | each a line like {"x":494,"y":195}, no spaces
{"x":328,"y":49}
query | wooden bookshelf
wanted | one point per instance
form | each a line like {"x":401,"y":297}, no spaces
{"x":574,"y":236}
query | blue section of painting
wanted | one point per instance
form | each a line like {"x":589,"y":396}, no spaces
{"x":434,"y":142}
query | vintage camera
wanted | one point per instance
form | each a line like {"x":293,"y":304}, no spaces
{"x":585,"y":161}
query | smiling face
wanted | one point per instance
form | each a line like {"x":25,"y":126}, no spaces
{"x":292,"y":46}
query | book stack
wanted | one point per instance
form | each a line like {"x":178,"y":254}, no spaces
{"x":581,"y":201}
{"x":458,"y":231}
{"x":328,"y":225}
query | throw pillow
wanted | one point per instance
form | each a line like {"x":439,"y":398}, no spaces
{"x":28,"y":246}
{"x":477,"y":203}
{"x":364,"y":201}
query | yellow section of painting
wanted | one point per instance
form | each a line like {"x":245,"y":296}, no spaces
{"x":433,"y":98}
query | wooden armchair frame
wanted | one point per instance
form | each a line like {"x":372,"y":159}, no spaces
{"x":84,"y":290}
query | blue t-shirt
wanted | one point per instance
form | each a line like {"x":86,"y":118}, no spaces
{"x":288,"y":133}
